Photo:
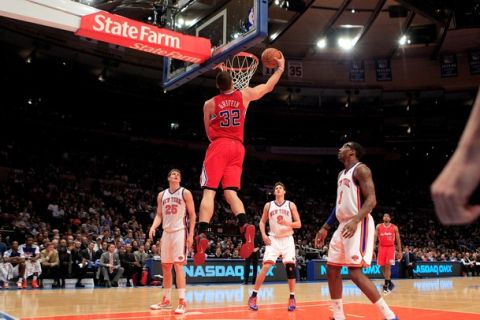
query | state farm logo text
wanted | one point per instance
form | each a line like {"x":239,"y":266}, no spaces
{"x":142,"y":33}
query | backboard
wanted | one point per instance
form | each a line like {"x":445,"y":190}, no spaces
{"x":233,"y":27}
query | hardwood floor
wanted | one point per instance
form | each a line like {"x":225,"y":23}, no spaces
{"x":447,"y":298}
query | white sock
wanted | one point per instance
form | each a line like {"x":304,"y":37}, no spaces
{"x":384,"y":309}
{"x":35,"y":277}
{"x":167,"y":292}
{"x":181,"y":293}
{"x":337,"y":307}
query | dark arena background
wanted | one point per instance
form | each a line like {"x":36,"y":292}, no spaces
{"x":90,"y":129}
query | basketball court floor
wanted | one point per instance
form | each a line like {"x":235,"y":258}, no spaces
{"x":440,"y":299}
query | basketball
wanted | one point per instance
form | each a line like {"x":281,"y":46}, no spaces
{"x":268,"y":57}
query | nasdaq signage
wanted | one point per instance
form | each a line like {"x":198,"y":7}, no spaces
{"x":225,"y":270}
{"x":317,"y":270}
{"x":437,"y":269}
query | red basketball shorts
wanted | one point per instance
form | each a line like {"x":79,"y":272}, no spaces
{"x":223,"y":163}
{"x":386,"y":255}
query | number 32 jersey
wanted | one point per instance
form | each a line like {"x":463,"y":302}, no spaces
{"x":173,"y":210}
{"x":229,"y":118}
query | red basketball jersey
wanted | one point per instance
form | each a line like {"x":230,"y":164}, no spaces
{"x":386,"y":235}
{"x":229,"y":117}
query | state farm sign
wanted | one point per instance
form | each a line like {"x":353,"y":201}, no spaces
{"x":133,"y":34}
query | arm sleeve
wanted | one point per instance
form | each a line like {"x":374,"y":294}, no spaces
{"x":332,"y":218}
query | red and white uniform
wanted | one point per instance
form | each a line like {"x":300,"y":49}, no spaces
{"x":386,"y":249}
{"x":224,"y":159}
{"x":356,"y":251}
{"x":281,"y":236}
{"x":174,"y":224}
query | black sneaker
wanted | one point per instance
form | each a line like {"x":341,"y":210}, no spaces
{"x":385,"y":289}
{"x":391,"y":286}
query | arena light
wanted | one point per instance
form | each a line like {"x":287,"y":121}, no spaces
{"x":403,"y":40}
{"x":322,"y":43}
{"x":103,"y":75}
{"x":346,"y":43}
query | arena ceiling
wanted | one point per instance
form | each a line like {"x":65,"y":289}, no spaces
{"x":295,"y":27}
{"x":433,"y":27}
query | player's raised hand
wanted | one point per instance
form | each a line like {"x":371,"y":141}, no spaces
{"x":281,"y":62}
{"x":320,"y":238}
{"x":151,"y":233}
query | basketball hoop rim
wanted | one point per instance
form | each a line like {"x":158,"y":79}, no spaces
{"x":224,"y":67}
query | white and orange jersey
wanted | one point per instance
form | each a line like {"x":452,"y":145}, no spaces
{"x":173,"y":210}
{"x":277,"y":213}
{"x":348,"y":195}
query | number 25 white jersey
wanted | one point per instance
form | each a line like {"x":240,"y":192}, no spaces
{"x":173,"y":210}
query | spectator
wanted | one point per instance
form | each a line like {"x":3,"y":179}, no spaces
{"x":88,"y":256}
{"x":110,"y":266}
{"x":31,"y":252}
{"x":141,"y":257}
{"x":79,"y":264}
{"x":252,"y":260}
{"x":50,"y":263}
{"x":409,"y":263}
{"x":65,"y":261}
{"x":128,"y":262}
{"x":3,"y":246}
{"x":17,"y":261}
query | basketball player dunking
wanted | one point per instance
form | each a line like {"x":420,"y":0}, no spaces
{"x":352,"y":243}
{"x":224,"y":120}
{"x":172,"y":205}
{"x":387,"y":234}
{"x":282,"y":216}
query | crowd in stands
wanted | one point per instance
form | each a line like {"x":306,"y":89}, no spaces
{"x":84,"y":184}
{"x":67,"y":213}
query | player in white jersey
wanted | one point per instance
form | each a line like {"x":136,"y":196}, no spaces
{"x":353,"y":241}
{"x":282,"y":216}
{"x":172,"y":206}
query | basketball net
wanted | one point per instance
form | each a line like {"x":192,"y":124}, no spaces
{"x":242,"y":67}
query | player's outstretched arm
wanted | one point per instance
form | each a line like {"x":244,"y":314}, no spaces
{"x":257,"y":92}
{"x":323,"y":232}
{"x":158,"y":217}
{"x":296,"y":222}
{"x":375,"y":237}
{"x":456,"y":183}
{"x":398,"y":242}
{"x":262,"y":223}
{"x":208,"y":110}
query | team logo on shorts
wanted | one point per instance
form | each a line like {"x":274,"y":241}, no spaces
{"x":355,"y":258}
{"x":180,"y":258}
